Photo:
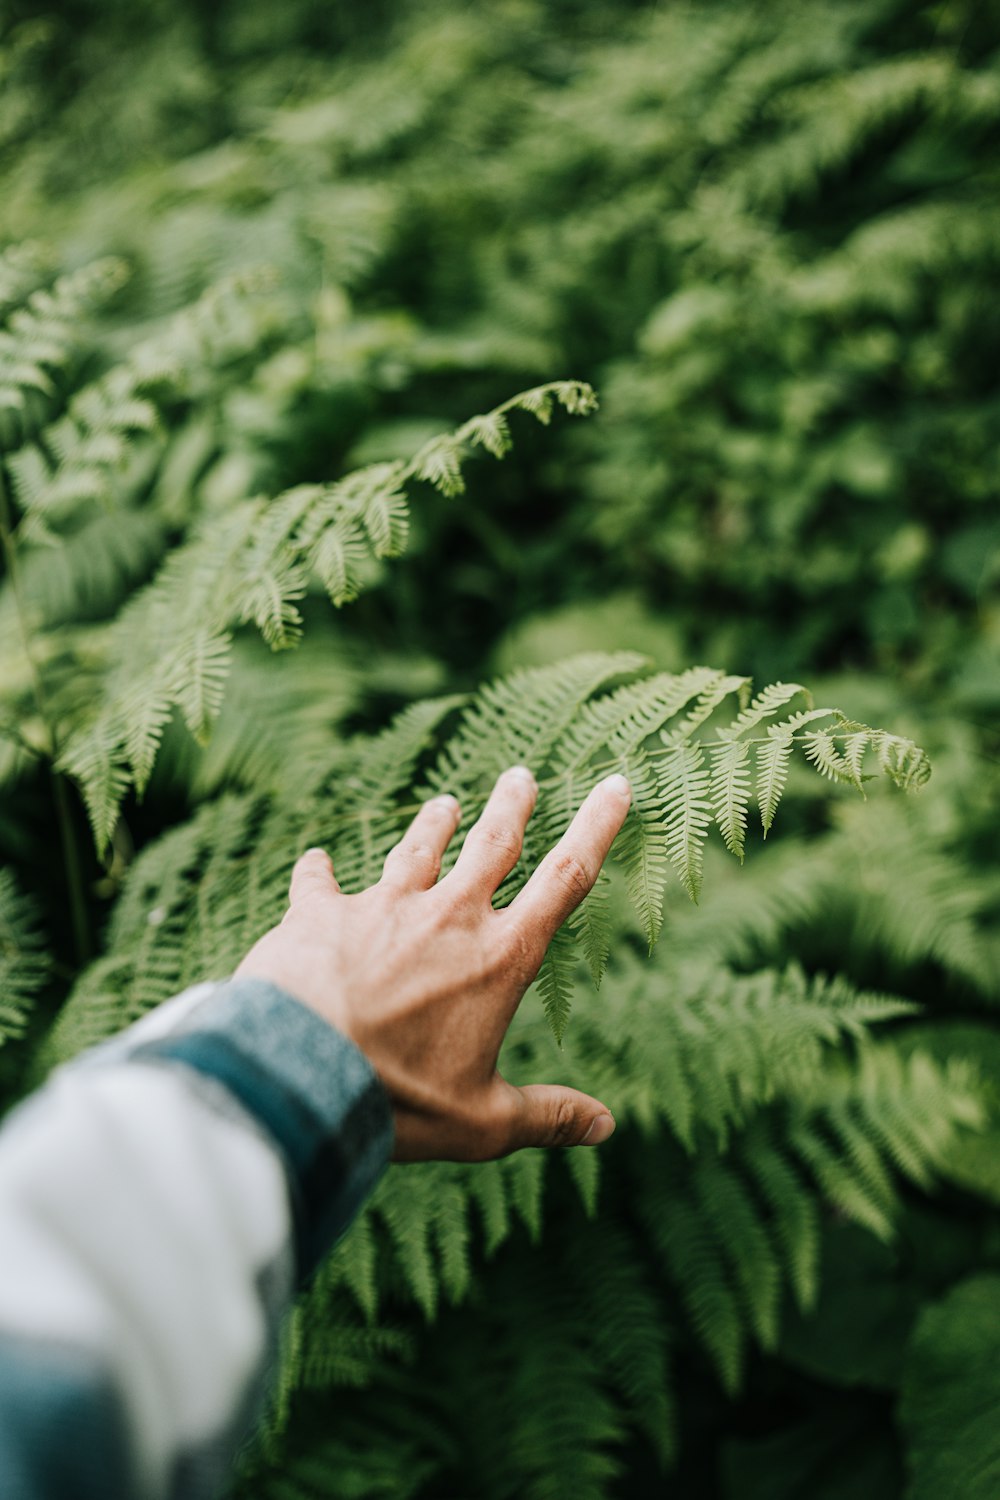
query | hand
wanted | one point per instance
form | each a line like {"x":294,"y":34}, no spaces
{"x":425,"y":977}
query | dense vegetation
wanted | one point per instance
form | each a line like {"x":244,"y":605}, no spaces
{"x":278,"y":285}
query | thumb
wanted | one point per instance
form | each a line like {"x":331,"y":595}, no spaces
{"x":549,"y":1115}
{"x":313,"y":876}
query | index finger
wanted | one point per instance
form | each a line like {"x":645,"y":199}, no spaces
{"x":567,"y":873}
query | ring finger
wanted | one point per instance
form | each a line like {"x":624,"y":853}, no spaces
{"x":415,"y":862}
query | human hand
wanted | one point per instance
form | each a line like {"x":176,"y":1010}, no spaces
{"x":425,"y":976}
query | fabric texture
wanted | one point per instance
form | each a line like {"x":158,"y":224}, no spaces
{"x":160,"y":1200}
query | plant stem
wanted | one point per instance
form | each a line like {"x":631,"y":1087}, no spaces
{"x":64,"y":813}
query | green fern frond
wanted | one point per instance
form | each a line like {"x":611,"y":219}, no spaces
{"x":854,"y":109}
{"x":590,"y":923}
{"x":792,"y":1214}
{"x":687,"y":812}
{"x":734,"y":1227}
{"x":725,"y":1044}
{"x":250,"y":565}
{"x":83,"y":575}
{"x":773,"y":758}
{"x":38,"y":339}
{"x":561,"y":719}
{"x":519,"y":719}
{"x":731,"y":791}
{"x":644,"y":846}
{"x":24,"y":963}
{"x":627,"y":1329}
{"x":556,"y":981}
{"x":694,"y":1264}
{"x":896,"y":1112}
{"x":22,"y":271}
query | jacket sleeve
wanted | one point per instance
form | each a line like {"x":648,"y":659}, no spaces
{"x":160,"y":1200}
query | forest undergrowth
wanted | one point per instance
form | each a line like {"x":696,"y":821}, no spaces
{"x":309,"y":510}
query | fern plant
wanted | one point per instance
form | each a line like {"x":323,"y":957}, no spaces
{"x":570,"y":723}
{"x":770,"y":237}
{"x":24,"y":961}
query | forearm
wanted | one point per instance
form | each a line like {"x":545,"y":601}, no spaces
{"x":159,"y":1201}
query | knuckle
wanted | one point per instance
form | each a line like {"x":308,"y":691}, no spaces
{"x":573,"y":875}
{"x":426,"y":858}
{"x":563,"y":1125}
{"x":504,"y":839}
{"x":417,"y":857}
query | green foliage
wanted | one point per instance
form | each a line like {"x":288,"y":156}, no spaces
{"x":238,"y":853}
{"x":950,"y":1394}
{"x":769,"y":237}
{"x":251,"y":563}
{"x":24,"y":963}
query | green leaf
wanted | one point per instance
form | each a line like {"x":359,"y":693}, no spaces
{"x":950,"y":1406}
{"x":686,"y":791}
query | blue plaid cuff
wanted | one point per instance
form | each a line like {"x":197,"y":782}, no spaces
{"x":313,"y":1092}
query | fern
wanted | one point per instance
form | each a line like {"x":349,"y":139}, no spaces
{"x":791,"y":328}
{"x":879,"y":887}
{"x":24,"y":962}
{"x":38,"y":339}
{"x":170,"y":649}
{"x":362,"y":806}
{"x":726,"y":1043}
{"x":80,"y":461}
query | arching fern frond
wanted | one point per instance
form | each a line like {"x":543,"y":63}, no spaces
{"x":546,"y":716}
{"x":169,"y":649}
{"x":695,"y":1047}
{"x":734,"y":1228}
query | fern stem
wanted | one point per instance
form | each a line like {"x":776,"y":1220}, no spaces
{"x":72,"y":866}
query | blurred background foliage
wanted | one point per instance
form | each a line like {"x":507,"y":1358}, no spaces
{"x":769,"y":235}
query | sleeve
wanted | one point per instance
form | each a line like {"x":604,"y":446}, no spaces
{"x":160,"y":1200}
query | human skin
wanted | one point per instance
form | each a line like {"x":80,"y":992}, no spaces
{"x":425,"y":976}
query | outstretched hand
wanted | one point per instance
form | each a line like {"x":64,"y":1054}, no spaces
{"x":425,"y":976}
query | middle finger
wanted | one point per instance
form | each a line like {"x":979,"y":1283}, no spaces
{"x":493,"y":844}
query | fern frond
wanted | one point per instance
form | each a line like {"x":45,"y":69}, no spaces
{"x":773,"y":757}
{"x":731,"y":791}
{"x":695,"y":1265}
{"x":764,"y":706}
{"x":38,"y":340}
{"x":644,"y":847}
{"x":726,"y":1044}
{"x":895,"y":1111}
{"x":687,"y":812}
{"x":792,"y":1214}
{"x":591,"y":925}
{"x":22,"y":271}
{"x":252,"y":564}
{"x":24,"y":963}
{"x":735,"y":1221}
{"x":626,"y":1328}
{"x":519,"y":719}
{"x":718,"y":686}
{"x":556,"y":981}
{"x":556,"y":718}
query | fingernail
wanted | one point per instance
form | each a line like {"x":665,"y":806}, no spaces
{"x":617,"y":783}
{"x":601,"y":1129}
{"x":316,"y":850}
{"x":445,"y":800}
{"x":524,"y":773}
